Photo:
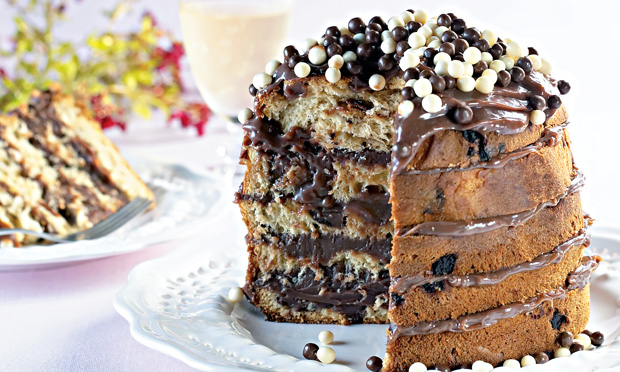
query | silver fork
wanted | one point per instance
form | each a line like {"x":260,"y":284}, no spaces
{"x":103,"y":228}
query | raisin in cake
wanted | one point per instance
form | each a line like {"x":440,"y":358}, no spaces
{"x":419,"y":173}
{"x":59,"y":173}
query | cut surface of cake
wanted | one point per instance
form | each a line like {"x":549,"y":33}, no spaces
{"x":416,"y":172}
{"x":59,"y":173}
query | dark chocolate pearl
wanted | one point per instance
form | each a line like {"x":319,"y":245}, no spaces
{"x":373,"y":37}
{"x":411,"y":73}
{"x":472,"y":35}
{"x":597,"y":338}
{"x":407,"y":93}
{"x":378,"y":20}
{"x":399,"y":33}
{"x":517,"y":74}
{"x":458,"y":56}
{"x":496,"y":51}
{"x":354,"y":67}
{"x":479,"y":67}
{"x":525,"y":63}
{"x":563,"y":86}
{"x":575,"y":347}
{"x":438,"y":83}
{"x":374,"y":27}
{"x":458,"y":25}
{"x":450,"y":81}
{"x":531,"y":51}
{"x":329,"y":40}
{"x":442,"y":368}
{"x":356,"y":25}
{"x":565,"y":339}
{"x":503,"y":78}
{"x":347,"y":42}
{"x":502,"y":44}
{"x":554,"y":102}
{"x":374,"y":364}
{"x":462,"y":114}
{"x":310,"y":351}
{"x":252,"y":89}
{"x":426,"y":74}
{"x":541,"y":358}
{"x":447,"y":48}
{"x":364,"y":50}
{"x":452,"y":16}
{"x":444,"y":20}
{"x":332,"y":31}
{"x":290,"y":51}
{"x":460,"y":44}
{"x":449,"y":36}
{"x":386,"y":63}
{"x":483,"y":45}
{"x":328,"y":201}
{"x":333,"y":50}
{"x":413,"y":26}
{"x":430,"y":53}
{"x":293,"y":61}
{"x":537,"y":102}
{"x":402,"y":47}
{"x":586,"y":332}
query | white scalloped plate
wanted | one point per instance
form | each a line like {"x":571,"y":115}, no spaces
{"x":177,"y":305}
{"x":184,"y":199}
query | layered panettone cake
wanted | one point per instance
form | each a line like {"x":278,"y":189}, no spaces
{"x":58,"y":172}
{"x":418,"y":173}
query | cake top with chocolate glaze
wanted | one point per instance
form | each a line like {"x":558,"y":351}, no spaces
{"x":456,"y":76}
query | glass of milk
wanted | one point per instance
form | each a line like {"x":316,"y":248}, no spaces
{"x":227,"y":42}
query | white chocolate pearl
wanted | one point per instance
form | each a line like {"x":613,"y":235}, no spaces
{"x":537,"y":117}
{"x":434,"y":44}
{"x":336,"y":62}
{"x":486,"y":57}
{"x":333,"y":75}
{"x":406,"y":16}
{"x":302,"y":69}
{"x":423,"y":87}
{"x":261,"y":80}
{"x":417,"y":367}
{"x":326,"y":355}
{"x":271,"y":66}
{"x":420,"y":16}
{"x":480,"y":366}
{"x":497,"y":65}
{"x":345,"y":31}
{"x":440,"y":30}
{"x":386,"y":34}
{"x":426,"y":31}
{"x":243,"y":116}
{"x":507,"y":40}
{"x":441,"y":56}
{"x":432,"y":24}
{"x":235,"y":294}
{"x":416,"y":40}
{"x":472,"y":55}
{"x":491,"y":74}
{"x":484,"y":84}
{"x":561,"y":352}
{"x":584,"y":339}
{"x":326,"y":337}
{"x":317,"y":55}
{"x":405,"y":108}
{"x":432,"y":103}
{"x":431,"y":39}
{"x":512,"y":363}
{"x":466,"y":83}
{"x":508,"y":62}
{"x":409,"y":60}
{"x":456,"y":69}
{"x":388,"y":46}
{"x":418,"y":52}
{"x":469,"y":69}
{"x":395,"y":22}
{"x":376,"y":82}
{"x":349,"y":56}
{"x":441,"y":68}
{"x":528,"y":360}
{"x":359,"y":38}
{"x":513,"y":49}
{"x":489,"y":36}
{"x":545,"y":67}
{"x":307,"y":44}
{"x":536,"y":62}
{"x":410,"y":83}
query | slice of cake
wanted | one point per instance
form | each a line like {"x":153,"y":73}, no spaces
{"x":429,"y":149}
{"x":59,"y":172}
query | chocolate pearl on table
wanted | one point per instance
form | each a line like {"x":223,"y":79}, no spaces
{"x":460,"y":44}
{"x":334,"y":49}
{"x":310,"y":351}
{"x":458,"y":25}
{"x":386,"y":63}
{"x":293,"y":61}
{"x":444,"y":20}
{"x":472,"y":35}
{"x":502,"y":44}
{"x":426,"y":74}
{"x":332,"y":31}
{"x":541,"y":358}
{"x":575,"y":347}
{"x":483,"y":45}
{"x":563,"y":86}
{"x":461,"y":114}
{"x":449,"y":36}
{"x":517,"y":74}
{"x":364,"y":50}
{"x":503,"y":78}
{"x":496,"y":51}
{"x":373,"y":37}
{"x":407,"y":93}
{"x":438,"y":83}
{"x":402,"y":47}
{"x":374,"y":364}
{"x":532,"y":51}
{"x":252,"y":89}
{"x":450,"y":81}
{"x":447,"y":48}
{"x":374,"y":26}
{"x":585,"y":332}
{"x":538,"y":103}
{"x":354,"y":67}
{"x":347,"y":42}
{"x":378,"y":20}
{"x":565,"y":339}
{"x":329,"y":40}
{"x":597,"y":338}
{"x":452,"y":16}
{"x":479,"y":67}
{"x":356,"y":25}
{"x":399,"y":33}
{"x":413,"y":26}
{"x":290,"y":51}
{"x":525,"y":63}
{"x":411,"y":73}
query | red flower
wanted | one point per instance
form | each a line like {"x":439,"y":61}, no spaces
{"x":194,"y":115}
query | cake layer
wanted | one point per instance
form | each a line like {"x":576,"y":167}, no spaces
{"x":519,"y":184}
{"x":496,"y":335}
